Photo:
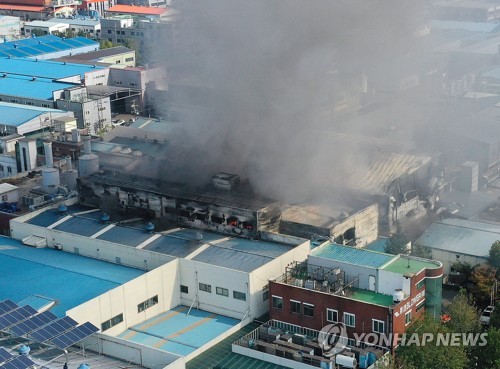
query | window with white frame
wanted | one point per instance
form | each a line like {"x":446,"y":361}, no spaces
{"x":222,"y":291}
{"x":308,"y":309}
{"x":378,"y":326}
{"x":408,"y":318}
{"x":332,"y":315}
{"x":349,"y":319}
{"x":295,"y":306}
{"x":277,"y":302}
{"x":205,"y":287}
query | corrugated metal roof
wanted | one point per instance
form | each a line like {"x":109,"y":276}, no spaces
{"x":17,"y":114}
{"x":125,"y":236}
{"x":461,"y":236}
{"x":36,"y":46}
{"x":351,"y":255}
{"x":6,"y":187}
{"x":385,"y":168}
{"x":24,"y":8}
{"x":467,"y":26}
{"x":27,"y":271}
{"x":232,"y":259}
{"x":81,"y":226}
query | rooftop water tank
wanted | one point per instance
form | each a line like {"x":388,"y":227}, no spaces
{"x":398,"y":296}
{"x":150,"y":227}
{"x":68,"y":179}
{"x":50,"y":179}
{"x":88,"y":164}
{"x":345,"y":361}
{"x":104,"y":218}
{"x":24,"y":350}
{"x":62,"y":209}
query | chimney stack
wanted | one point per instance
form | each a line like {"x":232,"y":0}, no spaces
{"x":49,"y":161}
{"x":87,"y":145}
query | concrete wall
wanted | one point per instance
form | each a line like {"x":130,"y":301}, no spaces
{"x":7,"y":161}
{"x":162,"y":281}
{"x":388,"y":282}
{"x":365,"y":223}
{"x":99,"y":249}
{"x":133,"y":352}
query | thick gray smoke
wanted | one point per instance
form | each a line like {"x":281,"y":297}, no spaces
{"x":272,"y":72}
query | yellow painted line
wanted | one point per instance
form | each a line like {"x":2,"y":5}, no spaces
{"x":153,"y":322}
{"x":184,"y":330}
{"x":129,"y":335}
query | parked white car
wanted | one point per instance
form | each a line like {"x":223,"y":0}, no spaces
{"x":486,"y":315}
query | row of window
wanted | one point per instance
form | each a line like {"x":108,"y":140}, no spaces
{"x":9,"y":169}
{"x":147,"y":304}
{"x":112,"y":322}
{"x":132,"y":33}
{"x":218,"y":290}
{"x":332,"y":315}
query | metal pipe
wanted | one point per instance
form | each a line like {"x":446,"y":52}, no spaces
{"x":49,"y":161}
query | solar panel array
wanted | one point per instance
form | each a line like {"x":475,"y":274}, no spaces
{"x":54,"y":329}
{"x":4,"y":355}
{"x":75,"y":335}
{"x":18,"y":362}
{"x":43,"y":327}
{"x":15,"y":316}
{"x":6,"y":306}
{"x":33,"y":323}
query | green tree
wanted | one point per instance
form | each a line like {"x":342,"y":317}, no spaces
{"x":482,"y":279}
{"x":397,"y":243}
{"x":38,"y":32}
{"x":464,"y":315}
{"x":494,"y":256}
{"x":105,"y":44}
{"x":430,"y":355}
{"x":495,"y":319}
{"x":488,"y":356}
{"x":421,"y":251}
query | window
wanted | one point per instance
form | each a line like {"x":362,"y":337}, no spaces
{"x":408,"y":318}
{"x":1,"y":167}
{"x":308,"y":310}
{"x":118,"y":260}
{"x":45,"y":106}
{"x":9,"y":169}
{"x":277,"y":302}
{"x":420,"y":284}
{"x":205,"y":287}
{"x":147,"y":304}
{"x":184,"y":289}
{"x":76,"y":250}
{"x":239,"y":295}
{"x":112,"y":322}
{"x":378,"y":326}
{"x":332,"y":315}
{"x":349,"y":319}
{"x":265,"y":295}
{"x":420,"y":305}
{"x":129,"y":59}
{"x":295,"y":306}
{"x":222,"y":291}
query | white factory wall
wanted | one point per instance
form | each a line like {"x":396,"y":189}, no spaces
{"x":132,"y":352}
{"x":85,"y":246}
{"x":450,"y":257}
{"x":388,"y":282}
{"x":97,"y":77}
{"x":162,"y":281}
{"x":193,"y":272}
{"x":259,"y":278}
{"x":7,"y":161}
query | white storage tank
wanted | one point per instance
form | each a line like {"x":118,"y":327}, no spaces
{"x":50,"y":180}
{"x":345,"y":361}
{"x":398,"y":296}
{"x":68,"y":179}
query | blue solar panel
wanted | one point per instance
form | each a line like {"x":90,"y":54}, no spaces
{"x":16,"y":316}
{"x":6,"y":306}
{"x":19,"y":362}
{"x":75,"y":335}
{"x":4,"y":355}
{"x":33,"y":323}
{"x":54,"y":329}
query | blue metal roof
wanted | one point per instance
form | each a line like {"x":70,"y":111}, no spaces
{"x":125,"y":236}
{"x":36,"y":46}
{"x":67,"y":278}
{"x":461,"y":236}
{"x":351,"y":255}
{"x":16,"y":114}
{"x":43,"y":68}
{"x":41,"y":89}
{"x":81,"y":226}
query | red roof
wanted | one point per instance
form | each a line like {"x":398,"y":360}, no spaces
{"x":24,"y":8}
{"x":93,"y":1}
{"x":131,"y":9}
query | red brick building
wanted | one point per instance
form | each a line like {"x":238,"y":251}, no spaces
{"x":368,"y":291}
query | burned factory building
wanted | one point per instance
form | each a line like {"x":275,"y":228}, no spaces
{"x":223,"y":206}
